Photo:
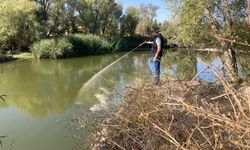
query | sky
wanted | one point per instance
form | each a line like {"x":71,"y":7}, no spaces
{"x":162,"y":13}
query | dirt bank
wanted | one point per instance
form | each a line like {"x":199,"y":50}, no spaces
{"x":178,"y":115}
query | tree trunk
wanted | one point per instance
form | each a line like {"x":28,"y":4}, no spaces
{"x":229,"y":58}
{"x":230,"y":64}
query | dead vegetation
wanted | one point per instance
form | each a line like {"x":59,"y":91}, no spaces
{"x":178,"y":115}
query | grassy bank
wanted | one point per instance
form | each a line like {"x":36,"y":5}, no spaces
{"x":179,"y":115}
{"x":19,"y":55}
{"x":23,"y":55}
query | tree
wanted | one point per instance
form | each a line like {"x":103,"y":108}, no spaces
{"x":130,"y":21}
{"x":17,"y":25}
{"x":147,"y":15}
{"x":56,"y":17}
{"x":71,"y":7}
{"x":216,"y":21}
{"x":99,"y":16}
{"x":169,"y":30}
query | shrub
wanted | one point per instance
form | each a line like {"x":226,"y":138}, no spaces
{"x":118,"y":43}
{"x":128,"y":43}
{"x":80,"y":45}
{"x":89,"y":44}
{"x":52,"y":48}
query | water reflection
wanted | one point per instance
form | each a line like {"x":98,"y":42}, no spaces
{"x":42,"y":87}
{"x":112,"y":81}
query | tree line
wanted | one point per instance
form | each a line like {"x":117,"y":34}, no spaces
{"x":23,"y":22}
{"x":223,"y":24}
{"x":208,"y":22}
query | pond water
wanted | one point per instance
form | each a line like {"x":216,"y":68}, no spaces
{"x":44,"y":95}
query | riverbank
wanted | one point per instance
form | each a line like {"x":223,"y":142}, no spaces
{"x":18,"y":56}
{"x":6,"y":59}
{"x":179,"y":115}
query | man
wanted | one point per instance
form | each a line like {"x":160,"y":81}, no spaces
{"x":154,"y":61}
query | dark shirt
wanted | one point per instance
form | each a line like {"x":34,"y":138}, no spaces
{"x":158,"y":38}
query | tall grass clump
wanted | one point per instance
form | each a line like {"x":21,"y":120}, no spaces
{"x":89,"y":45}
{"x":52,"y":48}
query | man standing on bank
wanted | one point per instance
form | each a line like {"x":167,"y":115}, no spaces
{"x":154,"y":61}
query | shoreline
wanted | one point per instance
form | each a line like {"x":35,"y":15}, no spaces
{"x":4,"y":59}
{"x":20,"y":56}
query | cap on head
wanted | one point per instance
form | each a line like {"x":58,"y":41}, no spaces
{"x":154,"y":30}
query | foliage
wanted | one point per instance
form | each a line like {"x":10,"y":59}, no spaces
{"x":99,"y":16}
{"x":23,"y":55}
{"x":89,"y":44}
{"x":73,"y":45}
{"x":126,"y":43}
{"x":206,"y":22}
{"x":130,"y":21}
{"x":146,"y":21}
{"x":81,"y":45}
{"x":23,"y":22}
{"x":17,"y":25}
{"x":52,"y":48}
{"x":56,"y":17}
{"x":118,"y":43}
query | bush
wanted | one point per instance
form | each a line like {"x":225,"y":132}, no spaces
{"x":81,"y":45}
{"x":118,"y":43}
{"x":128,"y":43}
{"x":71,"y":46}
{"x":89,"y":44}
{"x":52,"y":48}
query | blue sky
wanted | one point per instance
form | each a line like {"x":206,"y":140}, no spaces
{"x":162,"y":13}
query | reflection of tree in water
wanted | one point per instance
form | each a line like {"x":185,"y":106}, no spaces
{"x":182,"y":64}
{"x":115,"y":79}
{"x":207,"y":57}
{"x":43,"y":87}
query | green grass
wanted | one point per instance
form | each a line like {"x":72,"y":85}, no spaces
{"x":23,"y":55}
{"x":52,"y":48}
